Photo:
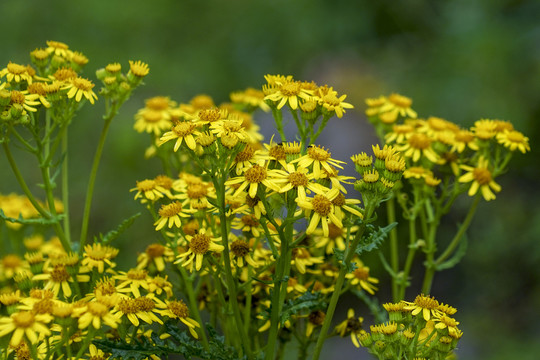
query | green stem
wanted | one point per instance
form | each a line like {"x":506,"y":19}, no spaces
{"x":339,"y":283}
{"x":65,"y":187}
{"x":394,"y":253}
{"x":91,"y":184}
{"x":278,"y":118}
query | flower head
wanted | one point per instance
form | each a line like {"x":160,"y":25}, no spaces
{"x":481,"y":178}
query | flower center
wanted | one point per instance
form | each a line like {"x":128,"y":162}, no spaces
{"x":44,"y":306}
{"x":426,"y":302}
{"x":252,"y":202}
{"x":239,"y":248}
{"x":318,"y":153}
{"x":152,"y":116}
{"x":419,"y":141}
{"x":464,"y":136}
{"x":232,"y":126}
{"x":298,"y":179}
{"x":155,"y":250}
{"x":135,"y":274}
{"x":331,"y":99}
{"x":334,"y":231}
{"x":249,"y":220}
{"x":353,"y":325}
{"x":316,"y":317}
{"x":339,"y":200}
{"x":361,"y":273}
{"x":146,"y":185}
{"x":210,"y":115}
{"x":184,"y":128}
{"x":200,"y":243}
{"x":97,"y":309}
{"x":17,"y":97}
{"x":482,"y":176}
{"x":170,"y":210}
{"x":16,"y":68}
{"x":11,"y":261}
{"x":245,"y":154}
{"x":290,"y":89}
{"x":197,"y":191}
{"x":277,"y":152}
{"x":145,"y":304}
{"x":37,"y":88}
{"x":515,"y":136}
{"x":82,"y":84}
{"x":23,"y":319}
{"x":321,"y":205}
{"x":402,"y":128}
{"x":59,"y":274}
{"x":114,"y":68}
{"x":400,"y":100}
{"x":255,"y":174}
{"x":179,"y":308}
{"x":64,"y":74}
{"x":128,"y":306}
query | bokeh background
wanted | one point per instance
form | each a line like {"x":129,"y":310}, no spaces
{"x":460,"y":60}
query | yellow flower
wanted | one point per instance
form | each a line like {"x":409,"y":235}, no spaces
{"x":513,"y":140}
{"x":25,"y":324}
{"x":155,"y":254}
{"x":301,"y":258}
{"x":59,"y":48}
{"x":426,"y":305}
{"x":97,"y":313}
{"x":198,"y":246}
{"x":16,"y":72}
{"x":97,"y":255}
{"x":241,"y":253}
{"x":27,"y":101}
{"x":152,"y":121}
{"x":251,"y":97}
{"x":416,"y":146}
{"x":395,"y":105}
{"x":170,"y":215}
{"x":330,"y":101}
{"x":400,"y":133}
{"x":177,"y":309}
{"x":78,"y":87}
{"x":299,"y":179}
{"x":40,"y":90}
{"x":446,"y":322}
{"x":139,"y":308}
{"x":138,"y":68}
{"x":183,"y":131}
{"x":323,"y":211}
{"x":352,"y":325}
{"x":360,"y":277}
{"x":481,"y":178}
{"x":58,"y":279}
{"x":258,"y":174}
{"x":132,"y":281}
{"x":289,"y":91}
{"x":319,"y":157}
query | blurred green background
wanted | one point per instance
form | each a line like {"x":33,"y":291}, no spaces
{"x":460,"y":60}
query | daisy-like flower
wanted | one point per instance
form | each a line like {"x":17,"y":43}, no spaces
{"x":323,"y":211}
{"x":298,"y":178}
{"x":332,"y":103}
{"x":132,"y":281}
{"x":289,"y":91}
{"x":484,"y":129}
{"x":400,"y":133}
{"x":25,"y":100}
{"x":152,"y":121}
{"x":11,"y":265}
{"x":97,"y":313}
{"x":198,"y":246}
{"x":395,"y":105}
{"x":301,"y":258}
{"x":351,"y":326}
{"x":426,"y":305}
{"x":464,"y":139}
{"x":79,"y":87}
{"x":177,"y":309}
{"x":230,"y":128}
{"x":257,"y":175}
{"x":514,"y":140}
{"x":315,"y":319}
{"x":481,"y":178}
{"x":148,"y":189}
{"x":248,"y":223}
{"x":416,"y":146}
{"x":246,"y":158}
{"x":196,"y":196}
{"x":360,"y":277}
{"x":25,"y":325}
{"x":170,"y":215}
{"x":250,"y":97}
{"x":138,"y":68}
{"x":319,"y":158}
{"x":183,"y":131}
{"x":155,"y":254}
{"x":59,"y":49}
{"x":97,"y":256}
{"x":58,"y":278}
{"x":446,"y":322}
{"x":40,"y":90}
{"x":139,"y":308}
{"x":16,"y":73}
{"x":241,"y":253}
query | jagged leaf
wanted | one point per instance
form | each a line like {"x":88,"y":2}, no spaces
{"x":340,"y":257}
{"x":308,"y":301}
{"x":136,"y":349}
{"x":34,"y":221}
{"x":113,"y":234}
{"x":373,"y":238}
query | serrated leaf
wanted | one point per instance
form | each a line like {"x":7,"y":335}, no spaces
{"x":374,"y":238}
{"x":340,"y":257}
{"x":35,"y":221}
{"x":136,"y":349}
{"x":308,"y":301}
{"x":113,"y":234}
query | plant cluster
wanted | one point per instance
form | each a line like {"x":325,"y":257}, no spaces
{"x":255,"y":242}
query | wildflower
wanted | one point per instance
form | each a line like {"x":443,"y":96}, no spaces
{"x":152,"y":121}
{"x":139,"y":308}
{"x":513,"y":140}
{"x":360,"y":276}
{"x":97,"y":255}
{"x":319,"y":157}
{"x":11,"y":265}
{"x":182,"y":131}
{"x":177,"y":309}
{"x":464,"y":139}
{"x":323,"y":211}
{"x":138,"y":68}
{"x":78,"y":87}
{"x":315,"y":318}
{"x":156,"y":254}
{"x":252,"y":97}
{"x":395,"y":105}
{"x":40,"y":90}
{"x":59,"y":48}
{"x":16,"y":72}
{"x":484,"y":129}
{"x":446,"y":322}
{"x":257,"y":174}
{"x":25,"y":325}
{"x":170,"y":215}
{"x":230,"y":128}
{"x":25,"y":100}
{"x":352,"y":325}
{"x":148,"y":189}
{"x":247,"y":223}
{"x":481,"y":178}
{"x":400,"y":133}
{"x":289,"y":91}
{"x":299,"y":179}
{"x":96,"y":313}
{"x":132,"y":281}
{"x":418,"y":145}
{"x":64,"y":75}
{"x":58,"y":278}
{"x":423,"y":304}
{"x":198,"y":246}
{"x":241,"y":252}
{"x":332,"y":103}
{"x":374,"y":105}
{"x":301,"y":258}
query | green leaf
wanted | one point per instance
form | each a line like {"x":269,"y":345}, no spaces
{"x":136,"y":349}
{"x":35,"y":221}
{"x":340,"y":257}
{"x":113,"y":234}
{"x":308,"y":301}
{"x":373,"y":238}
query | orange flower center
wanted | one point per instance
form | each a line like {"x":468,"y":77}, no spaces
{"x":277,"y":152}
{"x":419,"y":141}
{"x":255,"y":174}
{"x":59,"y":274}
{"x":210,"y":115}
{"x":97,"y":309}
{"x":239,"y":248}
{"x":298,"y":179}
{"x":515,"y":137}
{"x":321,"y":205}
{"x":482,"y":176}
{"x":152,"y":116}
{"x":426,"y":302}
{"x":16,"y":69}
{"x":318,"y":153}
{"x":184,"y":128}
{"x":23,"y":319}
{"x":197,"y":191}
{"x":17,"y":97}
{"x":290,"y":89}
{"x":179,"y":308}
{"x":249,"y":220}
{"x":200,"y":243}
{"x":361,"y":273}
{"x":245,"y":154}
{"x":135,"y":274}
{"x":170,"y":210}
{"x":83,"y":84}
{"x":155,"y":250}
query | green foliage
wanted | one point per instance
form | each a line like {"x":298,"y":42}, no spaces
{"x":308,"y":301}
{"x":373,"y":238}
{"x":113,"y":234}
{"x":36,"y":221}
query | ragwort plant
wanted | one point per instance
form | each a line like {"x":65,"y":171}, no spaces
{"x":255,"y":242}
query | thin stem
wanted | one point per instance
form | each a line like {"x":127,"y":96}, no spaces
{"x":91,"y":184}
{"x":65,"y":187}
{"x":394,"y":253}
{"x":339,"y":284}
